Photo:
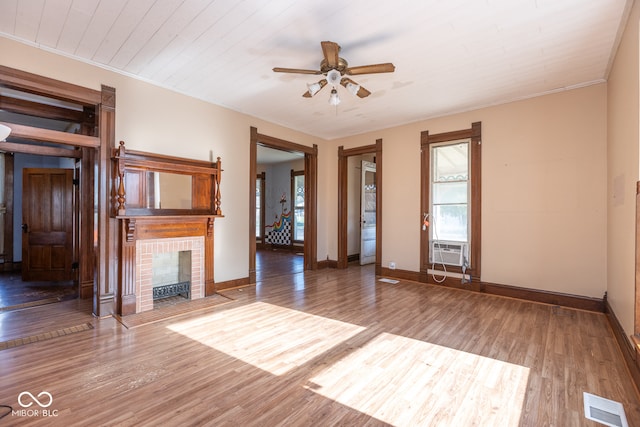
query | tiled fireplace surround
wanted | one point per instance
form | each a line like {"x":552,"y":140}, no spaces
{"x":142,"y":236}
{"x":146,"y":249}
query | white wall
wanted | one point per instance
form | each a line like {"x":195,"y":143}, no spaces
{"x":544,"y":176}
{"x":622,"y":174}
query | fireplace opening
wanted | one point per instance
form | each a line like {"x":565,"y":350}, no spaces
{"x":171,"y":278}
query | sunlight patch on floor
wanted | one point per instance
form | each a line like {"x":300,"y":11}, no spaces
{"x":270,"y":337}
{"x":403,"y":381}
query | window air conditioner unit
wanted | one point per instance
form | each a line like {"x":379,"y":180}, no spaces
{"x":449,"y":253}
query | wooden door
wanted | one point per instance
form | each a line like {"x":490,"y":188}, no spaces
{"x":368,"y":214}
{"x":47,"y":224}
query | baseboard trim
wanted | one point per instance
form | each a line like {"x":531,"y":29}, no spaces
{"x":546,"y":297}
{"x":400,"y":274}
{"x":106,"y":305}
{"x":85,"y":290}
{"x":329,"y":263}
{"x":628,"y":349}
{"x":534,"y":295}
{"x":232,"y":284}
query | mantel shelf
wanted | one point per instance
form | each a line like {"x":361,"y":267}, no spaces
{"x":176,"y":217}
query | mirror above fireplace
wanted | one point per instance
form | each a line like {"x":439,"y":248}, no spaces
{"x":147,"y":184}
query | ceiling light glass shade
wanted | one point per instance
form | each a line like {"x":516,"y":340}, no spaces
{"x":4,"y":132}
{"x":333,"y":77}
{"x":313,"y":88}
{"x":334,"y":99}
{"x":353,"y":88}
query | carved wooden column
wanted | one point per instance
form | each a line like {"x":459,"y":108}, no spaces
{"x":218,"y":196}
{"x":103,"y":295}
{"x":209,"y":283}
{"x":127,"y":267}
{"x":87,"y":261}
{"x":118,"y":191}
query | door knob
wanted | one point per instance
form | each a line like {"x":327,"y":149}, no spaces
{"x":25,"y":228}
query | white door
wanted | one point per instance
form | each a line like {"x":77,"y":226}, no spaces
{"x":368,"y":214}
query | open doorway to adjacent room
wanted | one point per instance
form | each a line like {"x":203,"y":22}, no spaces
{"x":39,"y":215}
{"x":280,"y":198}
{"x":47,"y":191}
{"x":283,"y":219}
{"x":359,"y":205}
{"x":361,"y":209}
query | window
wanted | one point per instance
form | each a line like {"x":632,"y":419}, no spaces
{"x":297,"y":195}
{"x":451,"y":197}
{"x":449,"y":211}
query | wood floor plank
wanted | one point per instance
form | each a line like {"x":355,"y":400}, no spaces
{"x":323,"y":348}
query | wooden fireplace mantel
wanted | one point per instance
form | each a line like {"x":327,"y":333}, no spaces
{"x":135,"y":200}
{"x":155,"y":227}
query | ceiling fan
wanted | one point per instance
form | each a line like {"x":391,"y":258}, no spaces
{"x":337,"y":70}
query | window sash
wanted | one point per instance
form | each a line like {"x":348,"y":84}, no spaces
{"x":450,"y":192}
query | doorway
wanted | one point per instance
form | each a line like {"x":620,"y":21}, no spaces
{"x":350,"y":218}
{"x":51,"y":119}
{"x":309,"y":215}
{"x":367,"y":220}
{"x":280,"y":205}
{"x":40,"y":256}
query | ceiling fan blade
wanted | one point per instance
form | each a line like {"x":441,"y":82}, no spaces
{"x":371,"y":69}
{"x":362,"y":92}
{"x":330,"y":51}
{"x":322,"y":84}
{"x":296,"y":70}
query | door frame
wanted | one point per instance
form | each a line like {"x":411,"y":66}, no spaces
{"x":311,"y":196}
{"x":97,"y":275}
{"x":343,"y":218}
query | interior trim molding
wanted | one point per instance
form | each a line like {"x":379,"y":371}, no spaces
{"x":629,"y":351}
{"x":232,"y":284}
{"x":328,"y":263}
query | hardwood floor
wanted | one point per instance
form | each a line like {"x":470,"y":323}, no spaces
{"x":323,"y":348}
{"x":271,"y":263}
{"x":14,"y":293}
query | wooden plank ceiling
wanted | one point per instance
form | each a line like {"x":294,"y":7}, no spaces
{"x":450,"y":56}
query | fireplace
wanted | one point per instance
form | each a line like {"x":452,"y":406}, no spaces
{"x":155,"y":267}
{"x":181,"y":221}
{"x":150,"y":244}
{"x":171,"y":275}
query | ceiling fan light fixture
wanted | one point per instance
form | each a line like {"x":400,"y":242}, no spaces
{"x":334,"y":99}
{"x":353,"y":88}
{"x":313,"y":88}
{"x":333,"y":77}
{"x":4,"y":132}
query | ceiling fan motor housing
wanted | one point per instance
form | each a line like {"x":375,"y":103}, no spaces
{"x":341,"y":67}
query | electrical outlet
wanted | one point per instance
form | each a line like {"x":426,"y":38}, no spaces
{"x":392,"y":265}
